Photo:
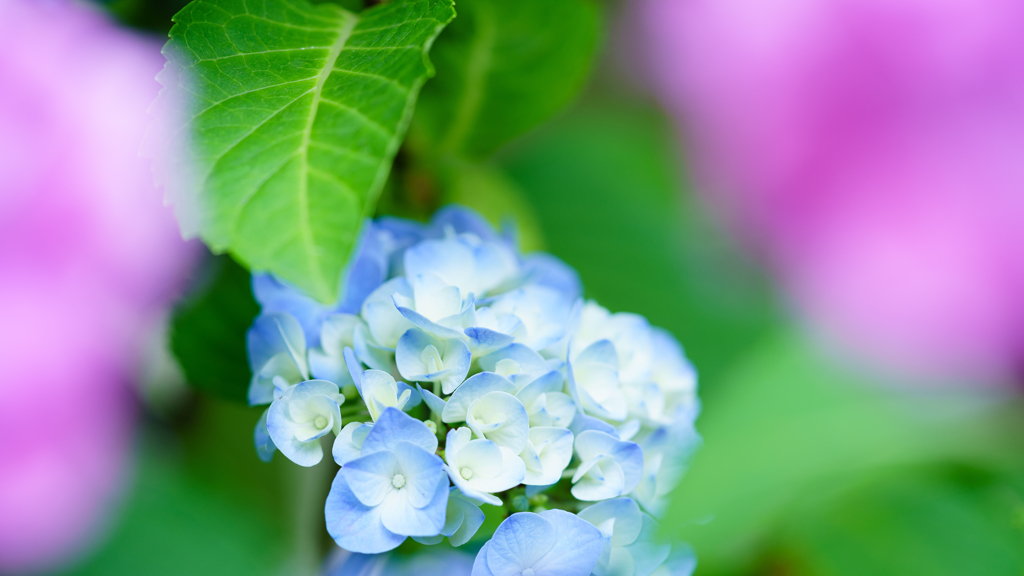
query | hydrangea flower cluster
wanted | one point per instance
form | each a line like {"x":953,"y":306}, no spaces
{"x":455,"y":372}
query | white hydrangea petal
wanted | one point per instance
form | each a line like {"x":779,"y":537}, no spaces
{"x":348,"y":444}
{"x":423,"y":357}
{"x":598,"y":479}
{"x":369,"y":477}
{"x":385,"y":322}
{"x":474,"y":388}
{"x":510,"y":473}
{"x":355,"y":526}
{"x":543,"y":312}
{"x":595,"y":386}
{"x":379,"y":391}
{"x":628,"y":520}
{"x":449,"y":259}
{"x":325,"y":366}
{"x":594,"y":448}
{"x":552,"y":448}
{"x":619,"y":563}
{"x":472,"y":518}
{"x":371,"y":353}
{"x":337,"y":332}
{"x":501,"y":418}
{"x":455,"y":440}
{"x":482,"y":457}
{"x":647,"y":551}
{"x":441,"y":328}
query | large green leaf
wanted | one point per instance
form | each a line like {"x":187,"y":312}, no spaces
{"x":503,"y":68}
{"x":294,"y":114}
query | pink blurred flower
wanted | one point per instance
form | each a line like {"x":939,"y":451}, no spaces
{"x":873,"y":152}
{"x":88,"y":259}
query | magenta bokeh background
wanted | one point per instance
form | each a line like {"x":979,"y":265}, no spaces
{"x":872,"y":152}
{"x":89,"y":259}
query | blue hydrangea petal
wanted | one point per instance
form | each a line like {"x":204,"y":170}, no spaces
{"x":265,"y":447}
{"x":355,"y":526}
{"x":367,"y":269}
{"x":395,"y":426}
{"x":628,"y":519}
{"x":369,"y":477}
{"x":276,"y":296}
{"x":400,"y":516}
{"x":273,"y":334}
{"x":530,"y":362}
{"x":348,"y":444}
{"x":582,"y":423}
{"x":435,"y":403}
{"x":485,"y":340}
{"x":480,"y":567}
{"x":461,"y":220}
{"x":647,"y":551}
{"x":577,"y":547}
{"x":547,"y":270}
{"x":520,"y":542}
{"x":422,"y":470}
{"x":470,"y":516}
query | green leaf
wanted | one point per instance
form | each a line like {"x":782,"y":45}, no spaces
{"x":503,"y":68}
{"x":294,"y":114}
{"x":208,"y":332}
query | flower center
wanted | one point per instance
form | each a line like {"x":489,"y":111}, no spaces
{"x":320,"y":422}
{"x":466,"y":473}
{"x":528,"y":572}
{"x":398,"y":481}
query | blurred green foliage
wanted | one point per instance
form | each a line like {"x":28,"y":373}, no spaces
{"x":503,"y":68}
{"x":200,"y":502}
{"x":810,"y":467}
{"x":208,"y":330}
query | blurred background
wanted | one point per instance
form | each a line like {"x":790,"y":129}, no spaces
{"x":822,"y":199}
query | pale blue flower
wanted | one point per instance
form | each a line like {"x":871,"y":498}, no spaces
{"x":380,"y":391}
{"x":463,"y":519}
{"x":479,"y":468}
{"x":631,"y":547}
{"x":328,"y":361}
{"x":422,"y":357}
{"x":435,"y":306}
{"x":666,"y":452}
{"x":552,"y":543}
{"x":609,"y":467}
{"x":593,"y":379}
{"x":676,"y":379}
{"x":629,"y":333}
{"x":465,"y":261}
{"x":261,"y":437}
{"x":681,"y":562}
{"x":348,"y":444}
{"x":543,"y":311}
{"x":546,"y":270}
{"x":547,"y":453}
{"x":540,"y":384}
{"x":395,"y":489}
{"x":486,"y":404}
{"x":277,"y":356}
{"x":303,"y":414}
